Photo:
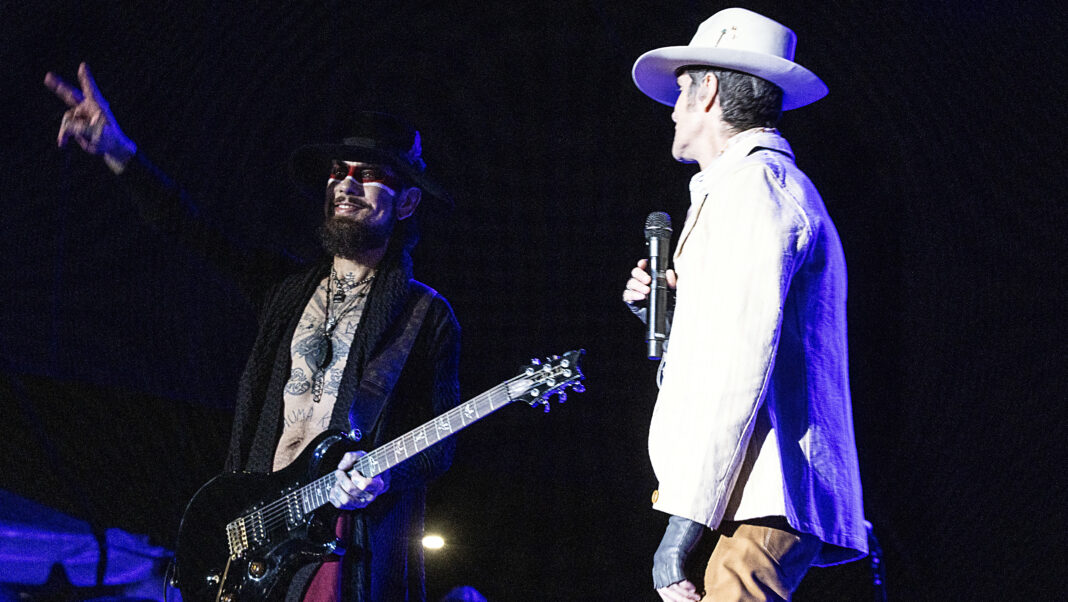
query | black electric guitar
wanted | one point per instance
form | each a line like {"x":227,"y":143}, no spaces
{"x":243,"y":535}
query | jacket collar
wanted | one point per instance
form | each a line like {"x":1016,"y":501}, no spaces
{"x":738,"y":147}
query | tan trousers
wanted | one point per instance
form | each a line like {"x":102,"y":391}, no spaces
{"x":758,"y":560}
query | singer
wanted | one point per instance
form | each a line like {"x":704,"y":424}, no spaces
{"x":752,"y":433}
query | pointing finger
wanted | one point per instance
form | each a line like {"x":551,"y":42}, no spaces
{"x":67,"y":93}
{"x":89,"y":88}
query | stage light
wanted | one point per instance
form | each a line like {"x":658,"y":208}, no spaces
{"x":433,"y":542}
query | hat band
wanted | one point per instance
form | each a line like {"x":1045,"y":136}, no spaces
{"x":366,"y":142}
{"x":411,"y":157}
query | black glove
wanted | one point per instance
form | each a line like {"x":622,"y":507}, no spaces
{"x":681,"y":536}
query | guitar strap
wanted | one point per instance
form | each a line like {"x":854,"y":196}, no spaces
{"x":757,"y":149}
{"x":384,"y":369}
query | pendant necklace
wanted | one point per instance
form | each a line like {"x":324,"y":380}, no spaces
{"x":323,"y":348}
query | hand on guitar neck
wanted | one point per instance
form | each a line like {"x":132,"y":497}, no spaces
{"x":353,"y":490}
{"x":243,"y":534}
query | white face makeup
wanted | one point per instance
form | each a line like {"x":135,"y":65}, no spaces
{"x":364,"y":191}
{"x":364,"y":174}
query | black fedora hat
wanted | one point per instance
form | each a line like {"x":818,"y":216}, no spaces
{"x":374,"y":138}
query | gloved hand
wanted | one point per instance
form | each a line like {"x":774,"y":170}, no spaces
{"x":681,"y":536}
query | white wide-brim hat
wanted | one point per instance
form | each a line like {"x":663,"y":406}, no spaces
{"x":738,"y":39}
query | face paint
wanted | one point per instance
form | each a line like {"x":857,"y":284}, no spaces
{"x":366,"y":175}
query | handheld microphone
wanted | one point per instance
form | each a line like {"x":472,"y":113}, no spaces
{"x":658,"y":238}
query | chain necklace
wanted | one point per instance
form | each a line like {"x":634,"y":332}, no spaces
{"x":323,"y":345}
{"x":346,"y":284}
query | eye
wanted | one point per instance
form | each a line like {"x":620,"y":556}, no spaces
{"x":371,"y":174}
{"x":339,"y":171}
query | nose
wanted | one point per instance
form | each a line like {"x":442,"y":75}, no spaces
{"x":350,"y":186}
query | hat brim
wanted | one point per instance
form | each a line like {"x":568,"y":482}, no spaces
{"x":310,"y":164}
{"x":654,"y":72}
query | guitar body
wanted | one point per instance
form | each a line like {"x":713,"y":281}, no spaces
{"x":205,"y":569}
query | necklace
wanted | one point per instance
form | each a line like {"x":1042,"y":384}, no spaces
{"x":346,"y":284}
{"x":322,"y":346}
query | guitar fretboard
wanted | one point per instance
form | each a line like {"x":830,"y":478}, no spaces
{"x":314,"y":494}
{"x":537,"y":381}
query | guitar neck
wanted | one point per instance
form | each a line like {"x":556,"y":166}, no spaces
{"x":315,"y":494}
{"x":535,"y":384}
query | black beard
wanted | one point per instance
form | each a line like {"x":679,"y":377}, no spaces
{"x":348,"y":239}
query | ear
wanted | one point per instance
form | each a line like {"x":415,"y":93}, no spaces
{"x":708,"y":92}
{"x":408,"y":202}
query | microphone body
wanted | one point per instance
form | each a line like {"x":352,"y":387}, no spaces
{"x":658,"y":239}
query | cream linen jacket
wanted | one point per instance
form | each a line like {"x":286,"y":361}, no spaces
{"x":759,"y":321}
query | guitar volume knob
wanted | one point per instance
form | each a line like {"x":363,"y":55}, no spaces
{"x":257,"y":569}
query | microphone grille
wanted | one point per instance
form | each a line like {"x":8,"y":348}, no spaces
{"x":657,"y":223}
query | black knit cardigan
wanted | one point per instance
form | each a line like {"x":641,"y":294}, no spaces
{"x":385,"y":560}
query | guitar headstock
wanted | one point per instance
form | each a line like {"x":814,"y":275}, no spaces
{"x":541,"y":379}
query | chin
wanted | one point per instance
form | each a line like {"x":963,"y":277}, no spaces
{"x":680,"y":158}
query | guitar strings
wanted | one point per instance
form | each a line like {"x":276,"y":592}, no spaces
{"x":273,"y":514}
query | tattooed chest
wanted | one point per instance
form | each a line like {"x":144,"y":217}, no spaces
{"x":320,"y":349}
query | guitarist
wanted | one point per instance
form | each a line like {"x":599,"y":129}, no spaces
{"x":330,"y":331}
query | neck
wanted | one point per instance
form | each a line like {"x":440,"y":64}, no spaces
{"x":361,"y":266}
{"x":719,"y":134}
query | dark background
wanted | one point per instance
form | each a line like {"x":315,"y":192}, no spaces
{"x":935,"y":152}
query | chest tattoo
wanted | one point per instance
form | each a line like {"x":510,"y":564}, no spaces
{"x":321,"y":344}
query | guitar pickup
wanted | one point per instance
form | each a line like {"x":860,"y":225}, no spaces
{"x":294,"y":512}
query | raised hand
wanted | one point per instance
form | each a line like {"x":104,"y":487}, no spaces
{"x":89,"y":120}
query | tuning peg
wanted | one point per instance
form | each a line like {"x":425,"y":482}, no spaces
{"x":535,"y":361}
{"x":578,"y":388}
{"x":561,"y":397}
{"x":547,"y":406}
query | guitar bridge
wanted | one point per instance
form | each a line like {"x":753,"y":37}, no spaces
{"x":237,"y":537}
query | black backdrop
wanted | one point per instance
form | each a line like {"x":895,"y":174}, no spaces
{"x":936,"y":153}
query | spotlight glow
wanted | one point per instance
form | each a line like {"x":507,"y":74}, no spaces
{"x":433,"y":542}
